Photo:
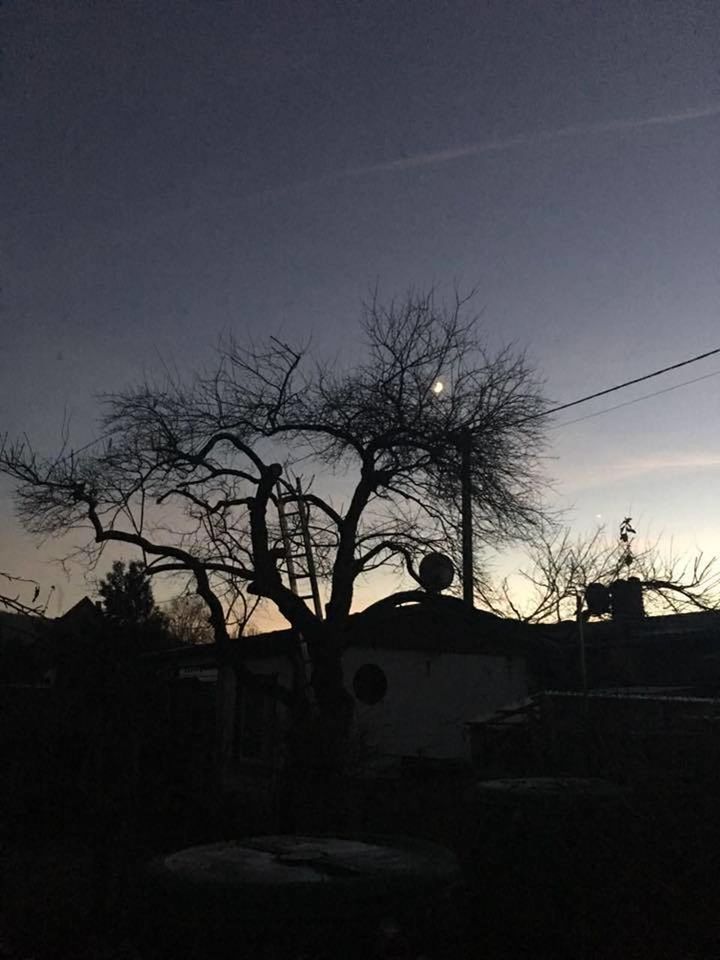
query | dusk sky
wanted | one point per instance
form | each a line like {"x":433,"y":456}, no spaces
{"x":174,"y":171}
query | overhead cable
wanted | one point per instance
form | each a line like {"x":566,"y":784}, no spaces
{"x":621,"y":386}
{"x":628,"y":403}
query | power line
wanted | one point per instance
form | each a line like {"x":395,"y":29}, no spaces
{"x":84,"y":447}
{"x":628,"y":403}
{"x":621,"y":386}
{"x":545,"y":413}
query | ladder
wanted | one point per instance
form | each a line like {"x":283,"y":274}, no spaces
{"x":297,"y":545}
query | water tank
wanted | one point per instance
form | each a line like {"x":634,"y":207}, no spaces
{"x":627,"y":599}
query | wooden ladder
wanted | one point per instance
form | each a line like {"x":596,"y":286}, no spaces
{"x":297,"y":546}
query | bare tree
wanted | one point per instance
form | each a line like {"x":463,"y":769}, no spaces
{"x":190,"y":474}
{"x":561,"y":566}
{"x":22,"y":595}
{"x":680,"y":584}
{"x":187,"y":618}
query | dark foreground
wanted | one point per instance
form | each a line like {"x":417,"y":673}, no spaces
{"x":565,"y":877}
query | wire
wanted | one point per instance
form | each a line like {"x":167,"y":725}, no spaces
{"x":628,"y":403}
{"x":84,"y":447}
{"x":545,"y":413}
{"x":621,"y":386}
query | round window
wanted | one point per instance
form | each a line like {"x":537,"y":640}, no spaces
{"x":370,"y":683}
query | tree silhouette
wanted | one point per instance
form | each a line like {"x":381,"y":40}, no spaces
{"x":187,"y":620}
{"x":127,"y":595}
{"x":15,"y":595}
{"x":190,"y":473}
{"x":128,"y":601}
{"x":560,"y":566}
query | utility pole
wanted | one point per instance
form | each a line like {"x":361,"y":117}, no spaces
{"x":463,"y":439}
{"x":465,"y":444}
{"x":580,"y":617}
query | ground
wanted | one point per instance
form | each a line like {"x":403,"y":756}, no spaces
{"x":632,"y":880}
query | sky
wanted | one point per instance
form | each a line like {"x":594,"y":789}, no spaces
{"x":174,"y":171}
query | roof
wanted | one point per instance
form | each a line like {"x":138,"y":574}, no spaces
{"x":659,"y":694}
{"x":412,"y":621}
{"x":701,"y":624}
{"x":24,"y":648}
{"x":82,"y":613}
{"x":21,"y":628}
{"x":278,"y":643}
{"x":415,"y":620}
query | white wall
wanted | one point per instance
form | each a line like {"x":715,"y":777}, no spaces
{"x":430,"y":697}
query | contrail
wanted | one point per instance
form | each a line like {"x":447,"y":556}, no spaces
{"x":150,"y":219}
{"x":507,"y":143}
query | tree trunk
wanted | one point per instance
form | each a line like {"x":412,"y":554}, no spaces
{"x":312,"y":798}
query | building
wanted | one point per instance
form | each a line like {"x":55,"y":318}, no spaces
{"x":631,"y":696}
{"x":420,"y":670}
{"x":671,"y":650}
{"x":419,"y":667}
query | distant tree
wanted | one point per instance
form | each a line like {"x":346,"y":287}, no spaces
{"x":188,"y":620}
{"x":190,"y":473}
{"x":128,"y":601}
{"x":127,"y":595}
{"x":560,"y":566}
